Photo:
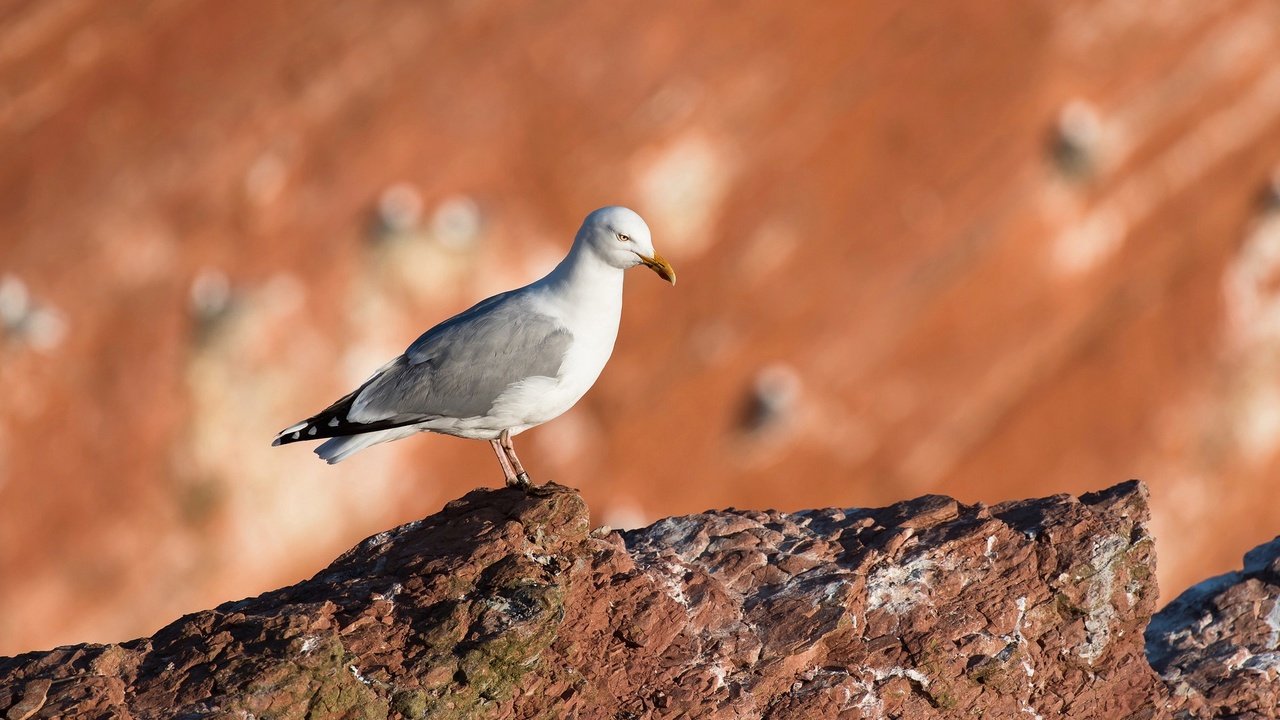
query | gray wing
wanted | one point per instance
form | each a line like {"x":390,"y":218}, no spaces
{"x":459,"y":367}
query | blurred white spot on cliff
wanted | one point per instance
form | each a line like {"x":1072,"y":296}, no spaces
{"x":1083,"y":246}
{"x":1251,"y":286}
{"x":47,"y":329}
{"x":210,"y":295}
{"x":265,"y":179}
{"x":1271,"y":195}
{"x":456,"y":222}
{"x":425,"y":259}
{"x":1257,"y":421}
{"x":772,"y":398}
{"x":27,"y":321}
{"x":15,"y":301}
{"x":399,"y":210}
{"x":1098,"y":235}
{"x":1251,"y":294}
{"x":1077,"y":138}
{"x":682,"y":186}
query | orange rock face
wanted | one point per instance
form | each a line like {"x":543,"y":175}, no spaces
{"x":996,"y":251}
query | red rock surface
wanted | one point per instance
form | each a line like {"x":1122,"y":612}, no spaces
{"x":1218,"y":644}
{"x":507,"y":605}
{"x":894,"y":280}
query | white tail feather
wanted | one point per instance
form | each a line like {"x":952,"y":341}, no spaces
{"x":335,"y":450}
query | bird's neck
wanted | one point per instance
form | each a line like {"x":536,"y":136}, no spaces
{"x":583,"y":278}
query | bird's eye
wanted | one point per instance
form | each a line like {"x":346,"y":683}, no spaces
{"x":623,"y":238}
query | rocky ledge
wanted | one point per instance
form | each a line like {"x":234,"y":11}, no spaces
{"x":508,"y":605}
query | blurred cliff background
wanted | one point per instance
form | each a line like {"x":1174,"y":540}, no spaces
{"x":994,"y":251}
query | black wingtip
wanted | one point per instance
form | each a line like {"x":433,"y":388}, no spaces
{"x":294,"y":433}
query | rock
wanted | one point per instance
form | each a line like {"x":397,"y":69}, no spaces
{"x":1218,"y":644}
{"x":507,"y":605}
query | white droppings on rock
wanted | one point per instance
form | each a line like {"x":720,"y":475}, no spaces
{"x":376,"y":540}
{"x":540,"y":558}
{"x":1100,"y":612}
{"x":908,"y":673}
{"x":672,"y":576}
{"x":898,"y":588}
{"x":309,"y":643}
{"x":718,"y":673}
{"x":1267,"y":662}
{"x":870,"y":702}
{"x":990,"y":553}
{"x":355,"y":672}
{"x":1022,"y":638}
{"x":1273,"y":622}
{"x":390,"y":594}
{"x":1018,"y":638}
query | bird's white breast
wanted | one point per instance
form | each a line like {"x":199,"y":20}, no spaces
{"x":595,"y":329}
{"x":594,"y":326}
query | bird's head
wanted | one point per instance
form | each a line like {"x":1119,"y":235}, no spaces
{"x":621,"y":238}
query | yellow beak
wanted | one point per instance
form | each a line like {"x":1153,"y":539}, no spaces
{"x":659,"y":264}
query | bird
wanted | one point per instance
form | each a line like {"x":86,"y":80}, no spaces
{"x":510,"y":362}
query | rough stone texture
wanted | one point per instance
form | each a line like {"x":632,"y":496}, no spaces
{"x":507,"y":605}
{"x":1218,"y":644}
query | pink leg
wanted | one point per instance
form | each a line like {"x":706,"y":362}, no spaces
{"x":522,"y":477}
{"x":507,"y":471}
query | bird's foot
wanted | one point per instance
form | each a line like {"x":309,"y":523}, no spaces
{"x":521,"y":481}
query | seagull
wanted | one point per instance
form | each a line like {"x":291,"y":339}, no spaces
{"x":509,"y":363}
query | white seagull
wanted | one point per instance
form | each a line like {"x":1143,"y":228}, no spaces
{"x":509,"y":363}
